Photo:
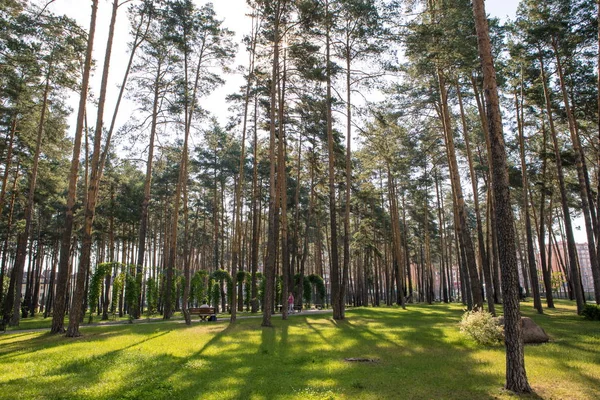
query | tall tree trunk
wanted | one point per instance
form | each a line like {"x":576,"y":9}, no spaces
{"x":336,"y":300}
{"x":296,"y":256}
{"x":13,"y":297}
{"x":346,"y":264}
{"x":586,"y":204}
{"x":76,"y":314}
{"x":572,"y":251}
{"x":398,"y":254}
{"x":483,"y":258}
{"x":255,"y":214}
{"x":463,"y":229}
{"x":492,"y":242}
{"x":444,"y":281}
{"x":60,"y":304}
{"x":237,"y":239}
{"x":273,"y":226}
{"x":282,"y":189}
{"x":535,"y":287}
{"x":143,"y":231}
{"x":35,"y":297}
{"x":516,"y":377}
{"x":546,"y":266}
{"x":428,"y":268}
{"x":7,"y":165}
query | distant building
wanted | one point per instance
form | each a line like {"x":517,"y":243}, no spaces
{"x":560,"y":263}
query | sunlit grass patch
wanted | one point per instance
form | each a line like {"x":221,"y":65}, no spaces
{"x":419,"y":353}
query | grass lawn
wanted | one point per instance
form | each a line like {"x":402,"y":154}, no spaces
{"x":420,"y":354}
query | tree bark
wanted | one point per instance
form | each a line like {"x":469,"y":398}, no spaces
{"x":255,"y":215}
{"x":60,"y":305}
{"x":13,"y":297}
{"x":76,"y":314}
{"x":336,"y":301}
{"x":483,"y":259}
{"x":238,"y":192}
{"x":572,"y":251}
{"x":535,"y":287}
{"x":516,"y":377}
{"x":273,"y":226}
{"x":463,"y":229}
{"x":586,"y":205}
{"x":282,"y":190}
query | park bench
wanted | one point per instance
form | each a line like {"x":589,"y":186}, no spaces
{"x":279,"y":308}
{"x":203,"y":312}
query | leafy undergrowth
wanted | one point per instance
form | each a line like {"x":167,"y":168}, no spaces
{"x":420,"y":354}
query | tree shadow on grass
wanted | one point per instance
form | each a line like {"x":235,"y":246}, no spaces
{"x":419,"y":360}
{"x":48,"y":341}
{"x":297,"y":358}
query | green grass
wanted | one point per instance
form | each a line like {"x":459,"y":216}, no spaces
{"x":420,"y":352}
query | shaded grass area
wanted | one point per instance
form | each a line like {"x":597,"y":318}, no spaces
{"x":39,"y":322}
{"x":420,"y":354}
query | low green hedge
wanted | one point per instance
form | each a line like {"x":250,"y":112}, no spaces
{"x":591,"y":312}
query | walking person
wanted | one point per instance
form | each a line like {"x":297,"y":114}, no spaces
{"x":291,"y":303}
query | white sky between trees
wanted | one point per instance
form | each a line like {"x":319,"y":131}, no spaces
{"x":232,"y":12}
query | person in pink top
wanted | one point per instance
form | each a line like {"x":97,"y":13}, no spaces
{"x":291,"y":303}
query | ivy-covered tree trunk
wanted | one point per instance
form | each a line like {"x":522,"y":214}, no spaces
{"x":516,"y":377}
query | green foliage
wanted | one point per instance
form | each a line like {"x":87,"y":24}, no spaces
{"x":223,"y":277}
{"x":591,"y":312}
{"x":482,"y":327}
{"x":132,"y":293}
{"x":248,"y":290}
{"x":198,"y":288}
{"x":95,"y":288}
{"x":557,"y":279}
{"x":241,"y":276}
{"x":261,"y":288}
{"x":118,"y":286}
{"x":306,"y":288}
{"x":210,"y":293}
{"x":278,"y":290}
{"x":215,"y":295}
{"x":151,"y":296}
{"x":319,"y":284}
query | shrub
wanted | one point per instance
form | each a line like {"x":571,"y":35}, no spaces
{"x":591,"y":312}
{"x":482,"y":327}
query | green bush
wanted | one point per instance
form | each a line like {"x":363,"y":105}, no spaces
{"x":482,"y":327}
{"x":591,"y":312}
